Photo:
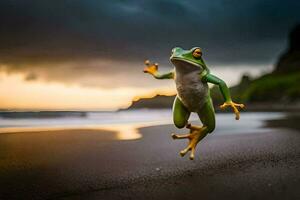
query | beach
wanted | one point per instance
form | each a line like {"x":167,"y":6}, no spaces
{"x":92,"y":94}
{"x":95,"y":164}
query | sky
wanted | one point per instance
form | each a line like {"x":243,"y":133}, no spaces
{"x":89,"y":54}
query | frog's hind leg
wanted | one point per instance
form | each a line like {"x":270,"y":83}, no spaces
{"x":207,"y":117}
{"x":180,"y":114}
{"x":180,"y":117}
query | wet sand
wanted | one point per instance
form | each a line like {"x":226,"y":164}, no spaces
{"x":85,"y":164}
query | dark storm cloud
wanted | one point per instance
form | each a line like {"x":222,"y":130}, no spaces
{"x":38,"y":33}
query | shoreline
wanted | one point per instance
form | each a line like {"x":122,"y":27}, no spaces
{"x":249,"y":108}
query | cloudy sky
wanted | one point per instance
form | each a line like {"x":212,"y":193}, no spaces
{"x":88,"y":54}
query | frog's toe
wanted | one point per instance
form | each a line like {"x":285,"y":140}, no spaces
{"x":184,"y":151}
{"x":192,"y":155}
{"x":191,"y":147}
{"x":177,"y":136}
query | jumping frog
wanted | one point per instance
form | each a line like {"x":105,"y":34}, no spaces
{"x":192,"y":76}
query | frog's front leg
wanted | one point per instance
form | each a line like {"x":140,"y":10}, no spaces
{"x":226,"y":94}
{"x":197,"y":133}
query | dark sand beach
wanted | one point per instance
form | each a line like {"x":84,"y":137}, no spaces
{"x":91,"y":164}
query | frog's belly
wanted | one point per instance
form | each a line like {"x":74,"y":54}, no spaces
{"x":191,"y":91}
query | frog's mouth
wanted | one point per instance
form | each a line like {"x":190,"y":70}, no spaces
{"x":180,"y":62}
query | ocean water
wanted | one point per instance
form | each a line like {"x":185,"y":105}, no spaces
{"x":127,"y":123}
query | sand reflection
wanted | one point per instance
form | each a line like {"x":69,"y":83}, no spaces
{"x":122,"y":132}
{"x":125,"y":132}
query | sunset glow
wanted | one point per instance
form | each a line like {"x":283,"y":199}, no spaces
{"x":19,"y":94}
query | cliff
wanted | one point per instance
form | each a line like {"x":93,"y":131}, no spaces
{"x":290,"y":60}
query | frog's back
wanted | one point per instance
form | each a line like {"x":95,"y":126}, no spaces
{"x":191,"y":90}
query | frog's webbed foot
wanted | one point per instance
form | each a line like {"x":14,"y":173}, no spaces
{"x":150,"y":68}
{"x":195,"y":135}
{"x":234,"y":107}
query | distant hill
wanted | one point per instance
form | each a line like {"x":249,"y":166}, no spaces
{"x":280,"y":87}
{"x":159,"y":101}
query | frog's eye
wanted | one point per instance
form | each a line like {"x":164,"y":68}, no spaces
{"x":197,"y":53}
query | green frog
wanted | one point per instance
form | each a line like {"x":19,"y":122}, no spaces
{"x":192,"y":76}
